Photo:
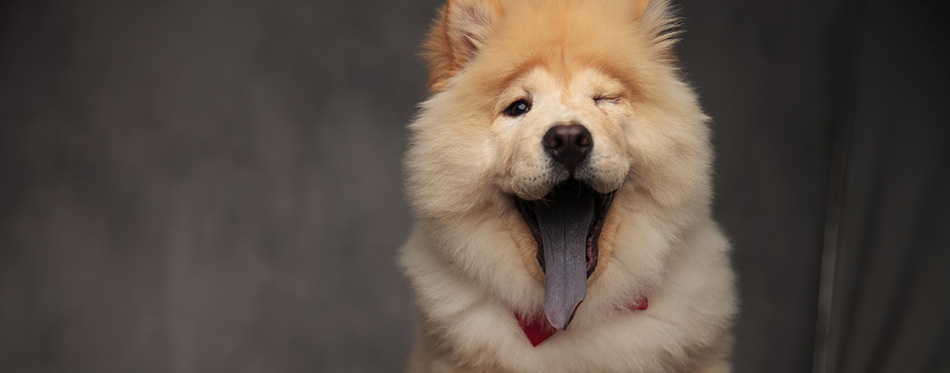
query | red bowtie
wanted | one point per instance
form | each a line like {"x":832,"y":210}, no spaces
{"x":538,"y":329}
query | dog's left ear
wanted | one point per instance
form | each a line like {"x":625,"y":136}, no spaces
{"x":640,"y":7}
{"x":660,"y":24}
{"x":457,"y":35}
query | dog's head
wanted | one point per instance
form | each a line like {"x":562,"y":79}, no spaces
{"x":555,"y":121}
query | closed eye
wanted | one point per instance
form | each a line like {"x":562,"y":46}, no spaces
{"x":604,"y":98}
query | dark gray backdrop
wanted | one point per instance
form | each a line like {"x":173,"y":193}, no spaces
{"x":204,"y":186}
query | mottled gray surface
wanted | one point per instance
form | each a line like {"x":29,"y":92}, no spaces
{"x":892,"y":305}
{"x":215,"y":186}
{"x":205,"y":186}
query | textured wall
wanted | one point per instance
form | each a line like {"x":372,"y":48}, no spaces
{"x":205,"y":186}
{"x":210,"y":185}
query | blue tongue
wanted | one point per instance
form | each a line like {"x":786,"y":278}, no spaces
{"x":564,"y":218}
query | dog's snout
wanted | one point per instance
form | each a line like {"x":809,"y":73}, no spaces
{"x":568,"y":144}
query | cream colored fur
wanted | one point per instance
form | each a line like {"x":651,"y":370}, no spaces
{"x":470,"y":257}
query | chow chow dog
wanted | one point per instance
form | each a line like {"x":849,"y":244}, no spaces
{"x":560,"y":178}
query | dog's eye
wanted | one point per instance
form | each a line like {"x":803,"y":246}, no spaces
{"x":517,"y":108}
{"x":602,"y":98}
{"x":605,"y":98}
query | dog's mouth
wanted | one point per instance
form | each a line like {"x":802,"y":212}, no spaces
{"x":566,"y":224}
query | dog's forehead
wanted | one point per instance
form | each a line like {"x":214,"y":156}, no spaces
{"x":566,"y":81}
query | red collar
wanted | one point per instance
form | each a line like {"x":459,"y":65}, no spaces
{"x":538,"y":329}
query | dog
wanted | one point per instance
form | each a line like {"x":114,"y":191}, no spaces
{"x":560,"y":179}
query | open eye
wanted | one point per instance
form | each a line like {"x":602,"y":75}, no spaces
{"x":518,"y":108}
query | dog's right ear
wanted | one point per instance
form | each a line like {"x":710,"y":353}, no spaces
{"x":456,"y":37}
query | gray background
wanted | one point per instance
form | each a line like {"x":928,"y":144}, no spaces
{"x":215,"y":186}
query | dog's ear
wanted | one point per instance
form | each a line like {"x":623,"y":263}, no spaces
{"x":651,"y":9}
{"x":640,"y":7}
{"x":661,"y":25}
{"x":457,"y":35}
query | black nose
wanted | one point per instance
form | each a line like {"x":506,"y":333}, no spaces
{"x":568,"y":144}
